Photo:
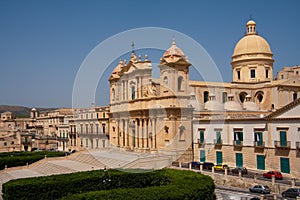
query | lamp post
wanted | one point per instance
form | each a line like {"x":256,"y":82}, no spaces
{"x":105,"y":178}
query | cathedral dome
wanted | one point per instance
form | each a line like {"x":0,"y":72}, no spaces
{"x":251,"y":43}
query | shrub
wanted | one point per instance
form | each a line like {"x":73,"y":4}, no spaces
{"x":13,"y":159}
{"x":160,"y":184}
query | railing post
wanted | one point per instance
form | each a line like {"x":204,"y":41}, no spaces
{"x":240,"y":174}
{"x":274,"y":196}
{"x":293,"y":182}
{"x":226,"y":172}
{"x":273,"y":179}
{"x":201,"y":168}
{"x":213,"y":172}
{"x":179,"y":164}
{"x":255,"y":177}
{"x":190,"y":166}
{"x":261,"y":197}
{"x":5,"y":168}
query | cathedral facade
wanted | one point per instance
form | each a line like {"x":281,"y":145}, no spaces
{"x":251,"y":121}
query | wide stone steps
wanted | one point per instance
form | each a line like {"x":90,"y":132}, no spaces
{"x":50,"y":168}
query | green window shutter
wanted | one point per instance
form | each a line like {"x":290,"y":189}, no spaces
{"x":201,"y":136}
{"x":239,"y":159}
{"x":202,"y":156}
{"x":285,"y":165}
{"x":283,"y":138}
{"x":260,"y":162}
{"x":219,"y":157}
{"x":218,"y":136}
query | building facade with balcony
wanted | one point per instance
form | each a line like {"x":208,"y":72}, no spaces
{"x":92,"y":126}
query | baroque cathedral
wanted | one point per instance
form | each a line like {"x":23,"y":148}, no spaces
{"x":252,"y":121}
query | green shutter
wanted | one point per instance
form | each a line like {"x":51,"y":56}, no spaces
{"x":239,"y":159}
{"x":201,"y":136}
{"x":285,"y":165}
{"x":202,"y":156}
{"x":260,"y":161}
{"x":283,"y":138}
{"x":219,"y":157}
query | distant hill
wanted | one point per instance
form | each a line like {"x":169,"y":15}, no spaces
{"x":21,"y":111}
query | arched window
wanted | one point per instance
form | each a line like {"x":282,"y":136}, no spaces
{"x":205,"y":96}
{"x":259,"y":97}
{"x":166,"y":83}
{"x":180,"y":80}
{"x":242,"y":96}
{"x":132,"y":92}
{"x":295,"y":96}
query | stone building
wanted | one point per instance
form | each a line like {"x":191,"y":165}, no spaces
{"x":92,"y":126}
{"x":236,"y":122}
{"x":151,"y":114}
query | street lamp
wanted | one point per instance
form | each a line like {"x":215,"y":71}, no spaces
{"x":105,"y":178}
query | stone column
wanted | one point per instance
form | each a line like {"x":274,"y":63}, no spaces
{"x":201,"y":168}
{"x":136,"y":138}
{"x":127,"y":132}
{"x":126,"y":90}
{"x":141,"y":88}
{"x":118,"y":131}
{"x":213,"y":172}
{"x":255,"y":177}
{"x":226,"y":172}
{"x":147,"y":133}
{"x":143,"y":133}
{"x":154,"y":134}
{"x":240,"y":174}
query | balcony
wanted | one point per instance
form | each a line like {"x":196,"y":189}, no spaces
{"x":201,"y":142}
{"x":298,"y":145}
{"x":259,"y":144}
{"x":282,"y":144}
{"x":63,"y":139}
{"x":218,"y":142}
{"x":237,"y":143}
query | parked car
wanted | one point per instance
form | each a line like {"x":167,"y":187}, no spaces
{"x":291,"y":192}
{"x":260,"y":189}
{"x":236,"y":170}
{"x":221,"y":167}
{"x":195,"y":165}
{"x":207,"y":165}
{"x":269,"y":174}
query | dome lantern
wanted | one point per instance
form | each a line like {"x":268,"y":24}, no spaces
{"x":251,"y":27}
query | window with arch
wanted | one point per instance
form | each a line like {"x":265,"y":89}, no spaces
{"x":242,"y":96}
{"x":205,"y":96}
{"x":295,"y":96}
{"x":166,"y":82}
{"x":132,"y":92}
{"x":259,"y":96}
{"x":180,"y":80}
{"x":113,"y":94}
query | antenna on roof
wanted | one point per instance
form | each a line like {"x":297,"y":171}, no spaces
{"x":132,"y":47}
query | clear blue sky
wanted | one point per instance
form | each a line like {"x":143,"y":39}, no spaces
{"x":43,"y":43}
